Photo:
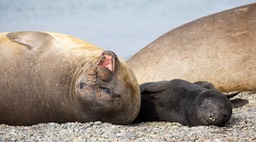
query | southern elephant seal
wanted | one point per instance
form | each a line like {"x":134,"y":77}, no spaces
{"x":219,"y":48}
{"x":53,"y":77}
{"x":184,"y":102}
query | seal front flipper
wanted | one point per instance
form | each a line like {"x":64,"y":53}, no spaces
{"x":33,"y":40}
{"x":205,"y":84}
{"x":154,"y":87}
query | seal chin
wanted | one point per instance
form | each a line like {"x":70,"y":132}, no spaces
{"x":104,"y":73}
{"x":211,"y":120}
{"x":203,"y":121}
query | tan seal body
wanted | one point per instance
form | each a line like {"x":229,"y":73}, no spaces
{"x":220,"y":48}
{"x":52,"y":77}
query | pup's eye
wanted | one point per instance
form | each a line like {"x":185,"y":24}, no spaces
{"x":202,"y":105}
{"x":106,"y":90}
{"x":82,"y":85}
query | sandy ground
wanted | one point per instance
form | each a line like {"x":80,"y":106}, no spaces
{"x":242,"y":127}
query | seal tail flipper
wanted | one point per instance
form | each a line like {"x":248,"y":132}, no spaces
{"x":33,"y":40}
{"x":238,"y":102}
{"x":231,"y":94}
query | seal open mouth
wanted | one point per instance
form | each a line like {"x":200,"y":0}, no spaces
{"x":107,"y":60}
{"x":107,"y":65}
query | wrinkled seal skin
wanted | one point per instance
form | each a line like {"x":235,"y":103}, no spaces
{"x":219,"y":48}
{"x":184,"y":102}
{"x":52,"y":77}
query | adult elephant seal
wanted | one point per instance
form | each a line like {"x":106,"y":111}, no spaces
{"x":219,"y":48}
{"x":184,"y":102}
{"x":52,"y":77}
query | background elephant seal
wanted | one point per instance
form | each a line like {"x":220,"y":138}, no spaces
{"x":219,"y":48}
{"x":52,"y":77}
{"x":184,"y":102}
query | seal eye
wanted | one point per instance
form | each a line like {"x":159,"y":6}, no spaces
{"x":82,"y":85}
{"x":106,"y":90}
{"x":202,"y":105}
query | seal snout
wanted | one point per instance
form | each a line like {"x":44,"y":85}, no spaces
{"x":216,"y":115}
{"x":211,"y":117}
{"x":219,"y":119}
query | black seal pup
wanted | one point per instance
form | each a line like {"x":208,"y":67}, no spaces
{"x":184,"y":102}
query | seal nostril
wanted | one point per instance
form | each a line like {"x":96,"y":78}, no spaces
{"x":211,"y":117}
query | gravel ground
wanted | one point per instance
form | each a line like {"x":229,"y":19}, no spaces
{"x":242,"y":127}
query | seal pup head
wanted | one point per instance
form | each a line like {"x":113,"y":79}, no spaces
{"x":108,"y":90}
{"x":211,"y":108}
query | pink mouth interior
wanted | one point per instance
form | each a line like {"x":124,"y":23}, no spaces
{"x":107,"y":62}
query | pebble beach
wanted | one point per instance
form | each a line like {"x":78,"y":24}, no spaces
{"x":241,"y":128}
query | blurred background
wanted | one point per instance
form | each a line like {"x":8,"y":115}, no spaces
{"x":121,"y":26}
